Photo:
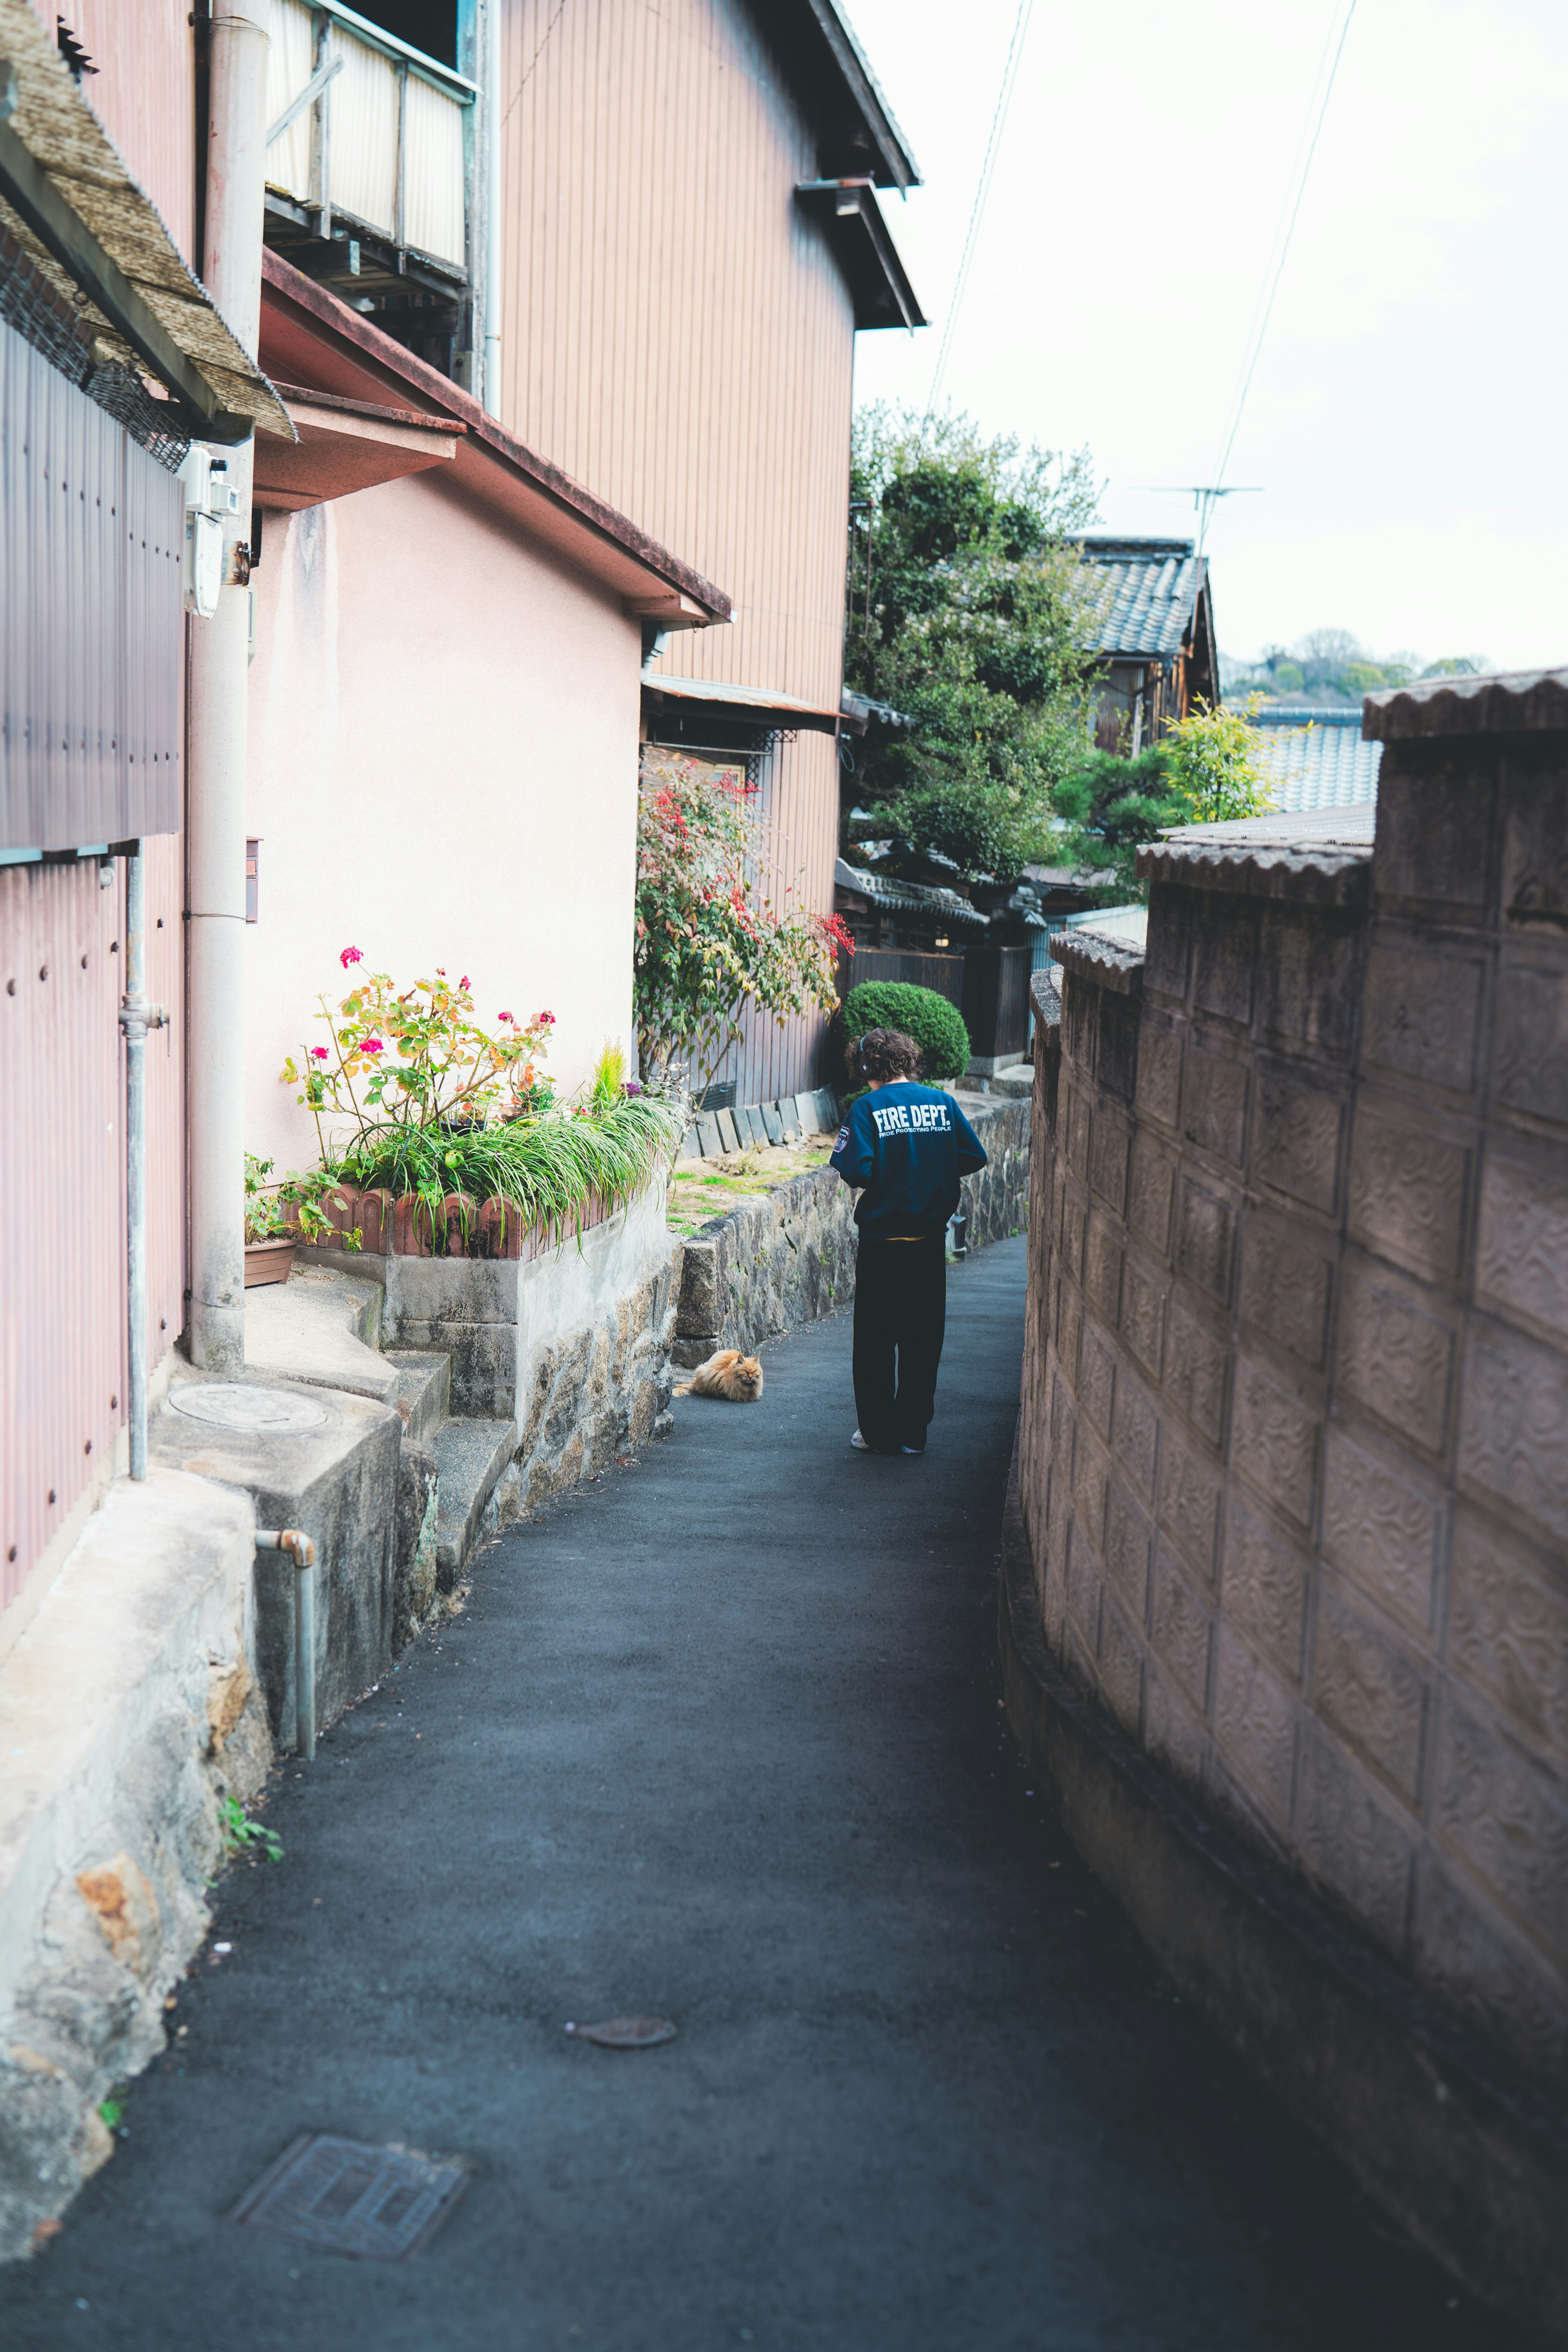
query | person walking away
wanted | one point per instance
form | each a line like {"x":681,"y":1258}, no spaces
{"x":905,"y":1147}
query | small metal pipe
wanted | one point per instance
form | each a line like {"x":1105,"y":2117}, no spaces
{"x":136,"y":1017}
{"x":303,"y":1550}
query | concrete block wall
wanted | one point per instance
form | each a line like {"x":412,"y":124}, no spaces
{"x":1295,"y":1446}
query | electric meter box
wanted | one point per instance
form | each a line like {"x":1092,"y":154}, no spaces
{"x":209,"y":502}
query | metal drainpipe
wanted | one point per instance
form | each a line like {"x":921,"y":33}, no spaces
{"x":220,"y":649}
{"x":136,"y":1017}
{"x":493,"y":206}
{"x":303,"y":1550}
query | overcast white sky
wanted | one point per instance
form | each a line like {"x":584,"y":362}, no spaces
{"x":1407,"y":419}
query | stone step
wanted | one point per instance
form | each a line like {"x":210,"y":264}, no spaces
{"x":314,"y":1328}
{"x":470,"y":1457}
{"x":423,"y":1391}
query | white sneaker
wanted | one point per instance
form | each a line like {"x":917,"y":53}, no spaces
{"x":857,"y":1442}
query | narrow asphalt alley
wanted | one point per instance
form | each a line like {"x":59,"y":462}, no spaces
{"x":719,"y":1739}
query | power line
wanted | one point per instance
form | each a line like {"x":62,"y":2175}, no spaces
{"x":983,"y":189}
{"x":1297,"y":184}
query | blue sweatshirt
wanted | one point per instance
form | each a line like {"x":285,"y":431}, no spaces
{"x":907,"y":1145}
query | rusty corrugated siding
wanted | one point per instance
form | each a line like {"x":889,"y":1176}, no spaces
{"x":678,"y":337}
{"x":92,"y":624}
{"x":61,"y":1245}
{"x":62,"y":1180}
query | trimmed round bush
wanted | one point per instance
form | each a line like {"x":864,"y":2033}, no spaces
{"x":936,"y":1025}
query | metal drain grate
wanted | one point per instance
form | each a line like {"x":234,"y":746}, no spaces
{"x":379,"y":2203}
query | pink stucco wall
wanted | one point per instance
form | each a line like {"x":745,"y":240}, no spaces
{"x":443,"y":770}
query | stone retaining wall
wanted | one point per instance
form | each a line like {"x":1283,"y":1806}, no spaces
{"x":597,"y":1391}
{"x":1294,"y":1442}
{"x":131,"y":1696}
{"x":499,"y":1319}
{"x":789,"y":1256}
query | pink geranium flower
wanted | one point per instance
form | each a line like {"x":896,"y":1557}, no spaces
{"x":503,"y":1016}
{"x":349,"y":956}
{"x":317,"y":1052}
{"x":464,"y":981}
{"x":371,"y":1046}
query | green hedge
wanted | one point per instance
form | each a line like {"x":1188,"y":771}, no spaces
{"x":936,"y":1025}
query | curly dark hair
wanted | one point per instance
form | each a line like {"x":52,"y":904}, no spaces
{"x":883,"y":1054}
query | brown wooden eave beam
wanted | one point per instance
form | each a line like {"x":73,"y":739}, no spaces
{"x":29,"y":191}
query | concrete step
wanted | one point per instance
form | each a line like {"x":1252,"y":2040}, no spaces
{"x":314,"y":1328}
{"x":423,"y":1391}
{"x":470,"y":1457}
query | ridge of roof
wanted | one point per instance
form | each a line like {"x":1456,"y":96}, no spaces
{"x":1133,"y":550}
{"x":376,"y":351}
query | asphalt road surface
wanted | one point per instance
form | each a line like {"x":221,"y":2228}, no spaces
{"x":719,"y":1740}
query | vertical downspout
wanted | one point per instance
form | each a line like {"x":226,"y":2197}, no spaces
{"x":493,"y":179}
{"x":215,"y":821}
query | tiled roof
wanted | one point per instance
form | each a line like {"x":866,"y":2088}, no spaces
{"x":890,"y":892}
{"x":1320,"y":764}
{"x":1152,"y":587}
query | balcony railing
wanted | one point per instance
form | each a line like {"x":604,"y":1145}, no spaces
{"x":370,"y":148}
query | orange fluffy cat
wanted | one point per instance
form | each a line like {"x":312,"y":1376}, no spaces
{"x":729,"y":1374}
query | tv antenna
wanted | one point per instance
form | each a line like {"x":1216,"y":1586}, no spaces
{"x":1206,"y":496}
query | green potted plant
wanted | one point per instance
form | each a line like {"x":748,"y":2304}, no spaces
{"x":279,"y":1217}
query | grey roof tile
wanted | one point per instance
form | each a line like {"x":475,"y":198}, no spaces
{"x":1323,"y":765}
{"x":1151,"y":588}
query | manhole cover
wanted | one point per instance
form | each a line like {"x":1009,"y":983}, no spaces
{"x":626,"y":2033}
{"x":234,"y":1406}
{"x":379,"y":2203}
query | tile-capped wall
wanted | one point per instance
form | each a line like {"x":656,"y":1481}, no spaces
{"x":1294,"y":1449}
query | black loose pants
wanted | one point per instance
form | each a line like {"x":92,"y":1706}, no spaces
{"x":901,"y":1311}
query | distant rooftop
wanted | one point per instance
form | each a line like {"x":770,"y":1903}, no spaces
{"x":1152,"y":586}
{"x":1316,"y":759}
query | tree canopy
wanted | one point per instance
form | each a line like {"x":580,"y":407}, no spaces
{"x":1334,"y":666}
{"x":1203,"y":769}
{"x":970,"y":612}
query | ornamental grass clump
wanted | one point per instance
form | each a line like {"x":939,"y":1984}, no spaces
{"x":415,"y":1097}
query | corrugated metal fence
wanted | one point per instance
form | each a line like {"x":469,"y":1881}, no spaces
{"x":62,"y":1180}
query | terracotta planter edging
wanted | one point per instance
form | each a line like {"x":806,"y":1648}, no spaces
{"x":402,"y":1226}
